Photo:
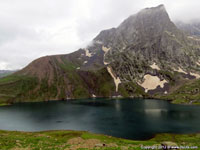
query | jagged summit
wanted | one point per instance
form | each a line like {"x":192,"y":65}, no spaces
{"x":159,"y":10}
{"x":146,"y":33}
{"x":155,"y":13}
{"x":159,"y":7}
{"x":147,"y":23}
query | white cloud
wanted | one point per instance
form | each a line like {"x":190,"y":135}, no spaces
{"x":3,"y":65}
{"x":30,"y":29}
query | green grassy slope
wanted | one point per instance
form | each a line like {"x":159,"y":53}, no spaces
{"x":77,"y":84}
{"x":188,"y":93}
{"x":13,"y":87}
{"x":74,"y":140}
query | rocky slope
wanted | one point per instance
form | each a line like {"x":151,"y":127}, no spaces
{"x":145,"y":56}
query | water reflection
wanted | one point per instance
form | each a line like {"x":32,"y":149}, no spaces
{"x":118,"y":105}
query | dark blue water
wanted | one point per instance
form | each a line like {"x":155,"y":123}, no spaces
{"x":137,"y":119}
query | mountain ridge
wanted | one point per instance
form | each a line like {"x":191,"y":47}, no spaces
{"x":145,"y":56}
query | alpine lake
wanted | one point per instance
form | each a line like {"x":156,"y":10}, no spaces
{"x":136,"y":119}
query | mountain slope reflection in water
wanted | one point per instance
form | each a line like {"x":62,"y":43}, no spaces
{"x":126,"y":118}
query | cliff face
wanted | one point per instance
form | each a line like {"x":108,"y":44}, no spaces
{"x":145,"y":56}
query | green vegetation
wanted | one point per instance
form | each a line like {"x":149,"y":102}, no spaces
{"x":13,"y":87}
{"x":80,"y":89}
{"x":104,"y":85}
{"x":131,"y":89}
{"x":187,"y":93}
{"x":18,"y":88}
{"x":170,"y":76}
{"x":67,"y":65}
{"x":79,"y":140}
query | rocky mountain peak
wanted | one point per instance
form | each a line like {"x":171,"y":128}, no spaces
{"x":153,"y":16}
{"x":158,"y":12}
{"x":145,"y":25}
{"x":146,"y":38}
{"x":160,"y":7}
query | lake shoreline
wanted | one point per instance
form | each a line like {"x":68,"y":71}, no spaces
{"x":110,"y":98}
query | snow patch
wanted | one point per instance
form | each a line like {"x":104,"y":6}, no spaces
{"x":85,"y":62}
{"x":87,"y":53}
{"x":117,"y":80}
{"x":105,"y":49}
{"x":180,"y":70}
{"x":152,"y":82}
{"x":191,"y":37}
{"x":98,"y":42}
{"x":106,"y":63}
{"x":195,"y":74}
{"x":198,"y":63}
{"x":154,"y":66}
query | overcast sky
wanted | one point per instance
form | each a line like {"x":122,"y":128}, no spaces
{"x":33,"y":28}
